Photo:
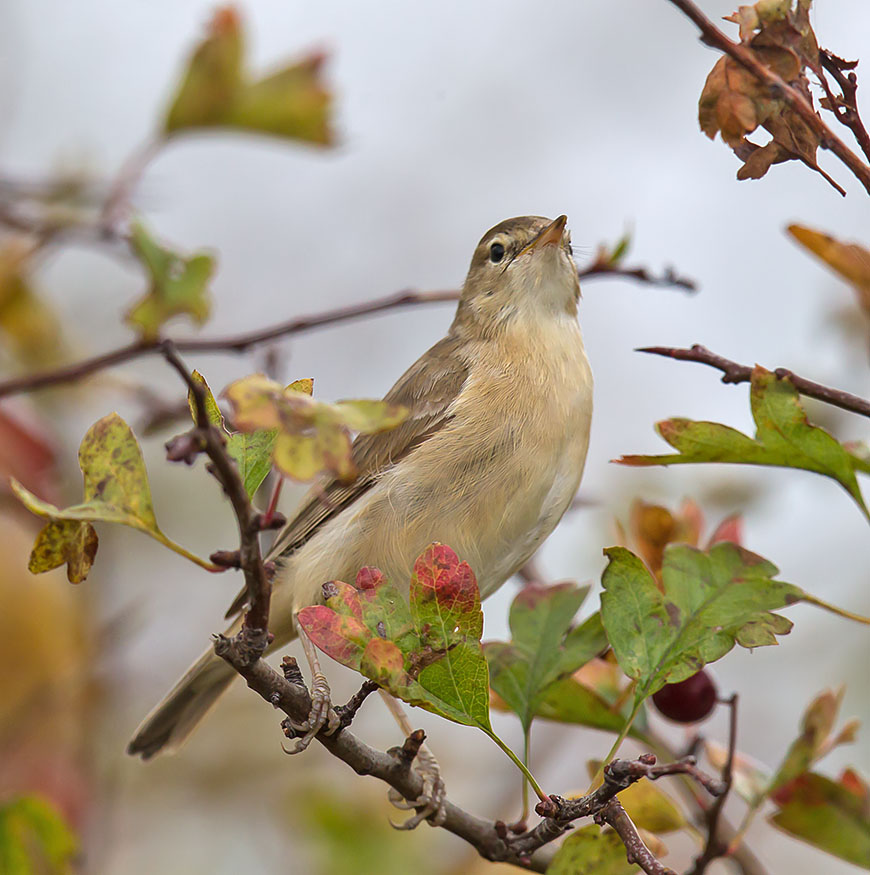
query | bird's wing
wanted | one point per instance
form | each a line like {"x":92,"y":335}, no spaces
{"x":427,"y":389}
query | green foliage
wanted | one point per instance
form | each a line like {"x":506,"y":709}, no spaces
{"x":783,"y":438}
{"x":709,"y":601}
{"x":544,"y":648}
{"x":116,"y":490}
{"x":252,"y":452}
{"x":178,"y":285}
{"x":588,"y":849}
{"x":34,"y":839}
{"x":311,"y":436}
{"x":215,"y":91}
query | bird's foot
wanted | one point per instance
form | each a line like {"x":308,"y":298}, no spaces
{"x":430,"y":804}
{"x":321,"y":715}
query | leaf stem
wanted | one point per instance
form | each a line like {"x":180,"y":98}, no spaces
{"x":623,"y":734}
{"x":177,"y":548}
{"x":519,"y":764}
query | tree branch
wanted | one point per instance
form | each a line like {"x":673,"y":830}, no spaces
{"x":714,"y":846}
{"x":712,"y":36}
{"x":616,"y":816}
{"x":237,"y":343}
{"x":737,"y":373}
{"x":845,"y":107}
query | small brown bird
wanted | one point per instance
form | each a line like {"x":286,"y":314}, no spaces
{"x":488,"y":460}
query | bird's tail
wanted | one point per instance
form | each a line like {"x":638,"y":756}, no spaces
{"x":167,"y":727}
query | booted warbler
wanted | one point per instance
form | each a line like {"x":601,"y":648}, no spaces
{"x":488,"y":460}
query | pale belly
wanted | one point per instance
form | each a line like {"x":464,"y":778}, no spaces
{"x":491,"y":485}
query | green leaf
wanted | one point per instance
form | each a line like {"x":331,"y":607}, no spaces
{"x":709,"y":602}
{"x":313,"y":436}
{"x":589,"y":850}
{"x":427,"y":653}
{"x":252,"y":452}
{"x":568,"y":701}
{"x":543,"y":647}
{"x":116,"y":490}
{"x":783,"y":438}
{"x":34,"y":839}
{"x":177,"y":285}
{"x":215,"y":91}
{"x":828,"y":815}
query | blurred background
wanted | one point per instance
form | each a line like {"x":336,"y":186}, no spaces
{"x":449,"y":117}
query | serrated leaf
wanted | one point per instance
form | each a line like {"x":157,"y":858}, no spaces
{"x":784,"y":438}
{"x":543,"y":647}
{"x":828,"y":815}
{"x":569,"y":701}
{"x":706,"y":601}
{"x":849,"y":260}
{"x":588,"y":849}
{"x":177,"y":285}
{"x":35,"y":839}
{"x":252,"y":452}
{"x":216,"y":91}
{"x":312,"y":436}
{"x":116,"y":490}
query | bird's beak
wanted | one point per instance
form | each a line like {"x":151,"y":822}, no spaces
{"x":552,"y":234}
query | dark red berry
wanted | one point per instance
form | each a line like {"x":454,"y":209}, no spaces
{"x":688,"y":701}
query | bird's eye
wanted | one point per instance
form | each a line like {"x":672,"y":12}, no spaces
{"x":496,"y":253}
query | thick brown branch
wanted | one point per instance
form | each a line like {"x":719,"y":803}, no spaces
{"x":712,"y":36}
{"x":737,"y":373}
{"x":616,"y":816}
{"x":237,"y":343}
{"x":559,"y":813}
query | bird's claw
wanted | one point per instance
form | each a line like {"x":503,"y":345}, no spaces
{"x":429,"y":804}
{"x":321,"y":715}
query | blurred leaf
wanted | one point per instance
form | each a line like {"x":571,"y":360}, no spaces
{"x":178,"y":285}
{"x":827,"y":814}
{"x":569,"y":701}
{"x":849,"y":260}
{"x":34,"y":839}
{"x":709,"y":602}
{"x":815,"y":740}
{"x":116,"y":490}
{"x":312,"y":436}
{"x":783,"y":438}
{"x":215,"y":91}
{"x":29,"y":327}
{"x":588,"y":849}
{"x":749,"y":777}
{"x":252,"y":452}
{"x":543,"y":645}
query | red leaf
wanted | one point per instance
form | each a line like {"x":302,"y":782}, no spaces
{"x":343,"y":638}
{"x":343,"y":599}
{"x":383,"y":663}
{"x":369,"y":577}
{"x":730,"y":529}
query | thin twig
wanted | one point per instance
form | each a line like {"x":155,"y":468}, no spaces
{"x":714,"y":846}
{"x":737,"y":373}
{"x":616,"y":816}
{"x":238,"y":343}
{"x":712,"y":36}
{"x":845,"y":107}
{"x":253,"y":638}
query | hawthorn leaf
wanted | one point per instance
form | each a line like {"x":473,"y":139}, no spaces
{"x":709,"y":602}
{"x":216,"y":91}
{"x":850,"y":260}
{"x":784,"y":438}
{"x":116,"y":490}
{"x":312,"y":436}
{"x":569,"y":701}
{"x":251,"y":451}
{"x":34,"y":838}
{"x":828,"y":814}
{"x":588,"y":849}
{"x":543,"y":647}
{"x":177,"y":285}
{"x":749,"y":777}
